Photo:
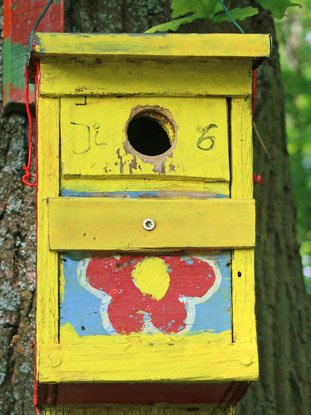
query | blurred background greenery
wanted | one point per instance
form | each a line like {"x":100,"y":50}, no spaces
{"x":294,"y":36}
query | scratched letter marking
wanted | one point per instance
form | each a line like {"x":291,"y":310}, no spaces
{"x":95,"y":126}
{"x":210,"y":139}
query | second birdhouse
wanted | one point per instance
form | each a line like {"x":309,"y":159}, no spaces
{"x":146,"y":218}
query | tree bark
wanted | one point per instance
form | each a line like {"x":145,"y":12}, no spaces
{"x":283,"y":317}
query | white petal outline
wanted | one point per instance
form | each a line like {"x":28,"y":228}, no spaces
{"x":149,"y":328}
{"x":106,"y":298}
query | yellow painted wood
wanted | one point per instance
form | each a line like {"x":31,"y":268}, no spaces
{"x":241,"y":149}
{"x":116,"y":224}
{"x":243,"y":279}
{"x":48,"y":186}
{"x":64,"y":77}
{"x":139,"y":359}
{"x":94,"y":138}
{"x":243,"y":296}
{"x":68,"y":335}
{"x":189,"y":188}
{"x":220,"y":409}
{"x":174,"y":45}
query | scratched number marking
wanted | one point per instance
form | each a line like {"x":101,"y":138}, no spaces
{"x":209,"y":140}
{"x":95,"y":126}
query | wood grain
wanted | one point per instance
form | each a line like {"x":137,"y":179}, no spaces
{"x":136,"y":359}
{"x":101,"y":223}
{"x":48,"y":186}
{"x":243,"y":278}
{"x":164,"y":77}
{"x":175,"y":45}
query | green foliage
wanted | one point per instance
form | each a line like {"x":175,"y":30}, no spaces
{"x":201,"y":8}
{"x":172,"y":26}
{"x":188,"y":11}
{"x":277,"y":7}
{"x":237,"y":13}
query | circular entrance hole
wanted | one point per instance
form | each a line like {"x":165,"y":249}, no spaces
{"x":151,"y":132}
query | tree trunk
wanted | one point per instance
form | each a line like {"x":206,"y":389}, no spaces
{"x":284,"y":324}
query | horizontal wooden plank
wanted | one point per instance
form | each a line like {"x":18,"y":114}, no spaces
{"x":106,"y":151}
{"x":92,"y":186}
{"x":174,"y":45}
{"x":96,"y":77}
{"x":121,"y":395}
{"x":132,"y":359}
{"x":117,"y":224}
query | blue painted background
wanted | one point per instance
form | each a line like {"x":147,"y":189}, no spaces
{"x":81,"y":308}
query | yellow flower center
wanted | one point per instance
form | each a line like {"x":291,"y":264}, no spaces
{"x":151,"y":277}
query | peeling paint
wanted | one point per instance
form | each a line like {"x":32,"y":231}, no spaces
{"x":121,"y":162}
{"x":165,"y":119}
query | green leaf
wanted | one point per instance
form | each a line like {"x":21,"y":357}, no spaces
{"x":238,"y":14}
{"x":277,"y":7}
{"x":172,"y":25}
{"x":182,"y":7}
{"x":218,"y":8}
{"x":201,"y":8}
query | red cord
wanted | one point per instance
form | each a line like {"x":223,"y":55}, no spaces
{"x":26,"y":176}
{"x":254,"y":91}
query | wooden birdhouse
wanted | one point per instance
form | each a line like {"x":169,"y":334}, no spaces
{"x":146,"y":217}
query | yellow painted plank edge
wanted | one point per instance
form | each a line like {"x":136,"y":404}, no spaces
{"x":117,"y":224}
{"x":64,"y":76}
{"x":48,"y":186}
{"x":132,"y":361}
{"x":165,"y":45}
{"x":243,"y":296}
{"x":241,"y":149}
{"x":243,"y":278}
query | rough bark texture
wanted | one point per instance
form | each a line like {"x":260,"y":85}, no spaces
{"x":284,"y":326}
{"x":283,"y":315}
{"x":17,"y":268}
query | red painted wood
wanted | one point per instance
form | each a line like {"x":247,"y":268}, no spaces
{"x":20,"y":17}
{"x":141,"y":393}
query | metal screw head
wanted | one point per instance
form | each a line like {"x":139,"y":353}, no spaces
{"x":149,"y":224}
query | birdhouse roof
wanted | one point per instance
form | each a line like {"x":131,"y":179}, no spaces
{"x":219,"y":45}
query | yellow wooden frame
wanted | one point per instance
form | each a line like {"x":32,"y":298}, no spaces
{"x":134,"y":358}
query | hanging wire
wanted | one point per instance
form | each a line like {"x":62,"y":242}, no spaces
{"x":26,"y":177}
{"x":32,"y":34}
{"x":230,"y":16}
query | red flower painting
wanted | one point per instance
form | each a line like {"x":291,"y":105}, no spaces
{"x":149,"y":294}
